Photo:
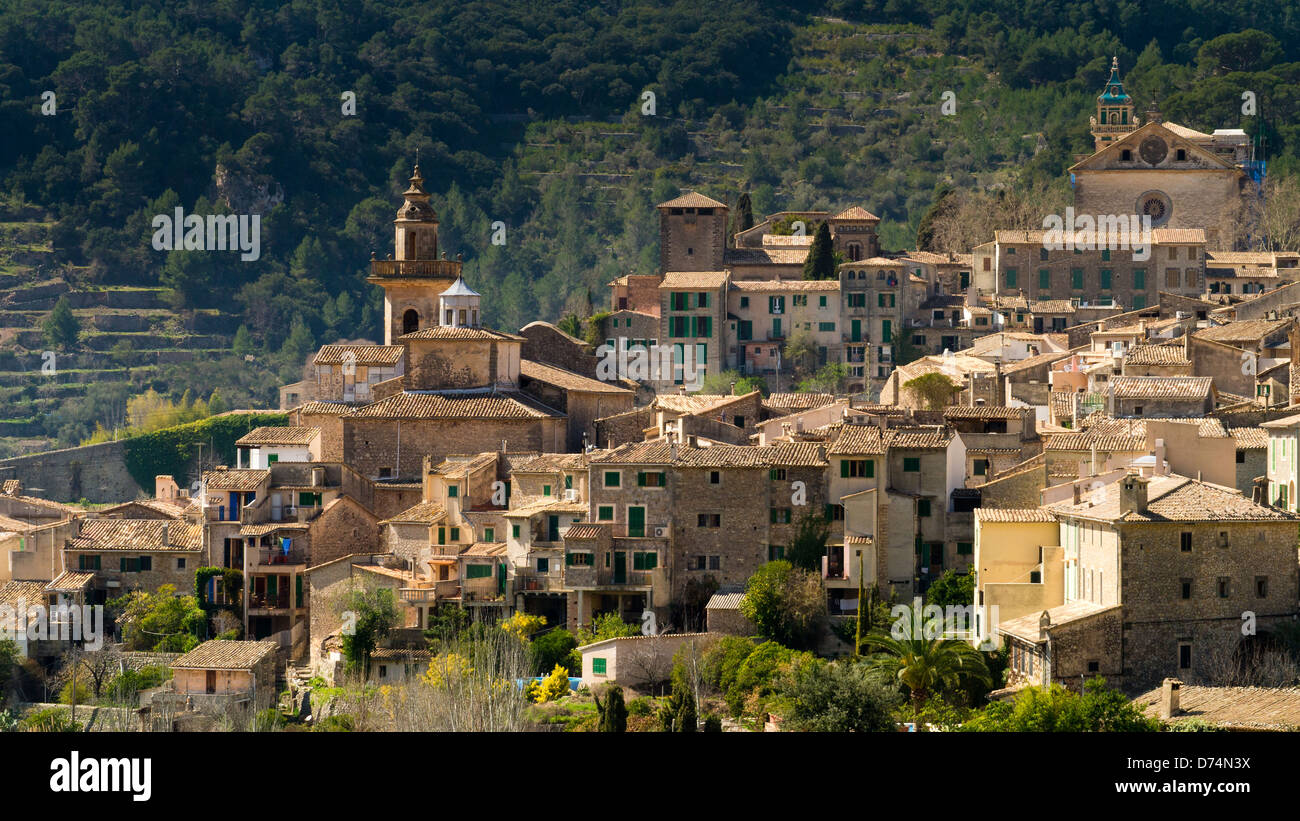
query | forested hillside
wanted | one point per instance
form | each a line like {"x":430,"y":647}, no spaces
{"x":525,"y":113}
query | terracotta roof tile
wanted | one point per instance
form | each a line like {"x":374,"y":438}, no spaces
{"x":455,"y":405}
{"x":377,"y":355}
{"x":1162,"y":387}
{"x":1013,"y":514}
{"x":568,"y":380}
{"x":241,"y":480}
{"x":222,"y":654}
{"x":270,"y":435}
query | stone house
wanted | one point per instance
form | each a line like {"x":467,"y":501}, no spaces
{"x":1184,"y":560}
{"x":134,"y":554}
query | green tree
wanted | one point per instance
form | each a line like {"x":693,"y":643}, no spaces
{"x":744,"y":219}
{"x":934,"y":389}
{"x":952,"y":589}
{"x":1057,"y":710}
{"x":613,"y":712}
{"x":61,"y":328}
{"x":830,"y":378}
{"x":160,"y":621}
{"x":606,"y":626}
{"x":678,"y":715}
{"x":820,"y":262}
{"x":905,"y":353}
{"x":552,"y":647}
{"x":800,"y":352}
{"x":242,"y":345}
{"x":836,"y":697}
{"x":786,"y":604}
{"x":9,"y":658}
{"x":217,"y":403}
{"x":571,"y":324}
{"x":372,"y":614}
{"x":926,"y":666}
{"x":809,"y":543}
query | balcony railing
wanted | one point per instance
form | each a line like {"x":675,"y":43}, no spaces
{"x":415,"y":268}
{"x":531,"y":580}
{"x":263,"y":601}
{"x":275,"y":556}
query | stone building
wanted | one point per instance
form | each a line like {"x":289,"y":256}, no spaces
{"x":1184,"y":560}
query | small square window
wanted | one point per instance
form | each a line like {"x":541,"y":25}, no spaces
{"x":598,"y":667}
{"x":604,"y":513}
{"x":1185,"y":542}
{"x":613,"y":478}
{"x":911,"y":464}
{"x":715,"y":477}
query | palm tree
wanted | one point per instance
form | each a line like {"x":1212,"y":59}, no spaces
{"x":927,"y":665}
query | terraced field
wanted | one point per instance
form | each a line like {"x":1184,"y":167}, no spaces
{"x":126,"y":334}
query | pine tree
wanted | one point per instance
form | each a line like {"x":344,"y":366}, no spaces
{"x":217,"y":403}
{"x":61,"y":327}
{"x":820,"y":263}
{"x":744,"y":213}
{"x":613,"y":713}
{"x":242,"y":344}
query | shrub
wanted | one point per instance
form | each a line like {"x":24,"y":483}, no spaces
{"x":554,"y":686}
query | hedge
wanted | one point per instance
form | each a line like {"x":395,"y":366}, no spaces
{"x":172,"y":451}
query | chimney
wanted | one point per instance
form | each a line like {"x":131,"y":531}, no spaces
{"x":165,"y":540}
{"x":1133,"y":493}
{"x":1044,"y":624}
{"x":1078,"y":492}
{"x":1169,"y":698}
{"x":681,"y":391}
{"x":1259,"y":490}
{"x":1159,"y":469}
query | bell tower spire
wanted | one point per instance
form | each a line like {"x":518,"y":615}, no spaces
{"x":413,"y":276}
{"x":1114,"y":116}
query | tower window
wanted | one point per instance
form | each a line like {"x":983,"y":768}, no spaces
{"x":1181,"y":155}
{"x":410,"y":321}
{"x":1126,"y":155}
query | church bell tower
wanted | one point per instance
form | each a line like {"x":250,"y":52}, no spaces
{"x":413,"y":277}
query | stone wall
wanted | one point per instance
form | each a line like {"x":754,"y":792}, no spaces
{"x":97,"y":473}
{"x":546,"y":343}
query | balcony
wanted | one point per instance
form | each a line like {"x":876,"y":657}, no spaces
{"x":262,"y":601}
{"x":529,"y":580}
{"x":415,"y":268}
{"x":275,"y":557}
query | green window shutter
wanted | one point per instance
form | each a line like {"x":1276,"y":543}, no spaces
{"x":1105,"y":279}
{"x":605,"y":513}
{"x":1044,"y":279}
{"x":453,"y":491}
{"x":1076,"y":279}
{"x":546,"y":490}
{"x":298,"y":592}
{"x":911,"y":464}
{"x":455,"y":534}
{"x":871,"y":468}
{"x":598,"y":666}
{"x":442,"y":535}
{"x":514,"y":531}
{"x":489,"y":534}
{"x":1011,"y":277}
{"x":1139,"y":279}
{"x":640,"y":479}
{"x":1139,"y":302}
{"x":844,"y":468}
{"x":612,"y":478}
{"x":965,"y":548}
{"x":568,"y":483}
{"x":923,"y":507}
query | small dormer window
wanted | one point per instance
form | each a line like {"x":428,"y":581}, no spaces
{"x":1126,"y":156}
{"x":1180,"y":154}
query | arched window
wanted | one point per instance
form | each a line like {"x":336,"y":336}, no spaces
{"x":855,"y":251}
{"x":410,"y":321}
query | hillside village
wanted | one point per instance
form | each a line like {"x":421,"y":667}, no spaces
{"x":1103,"y":440}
